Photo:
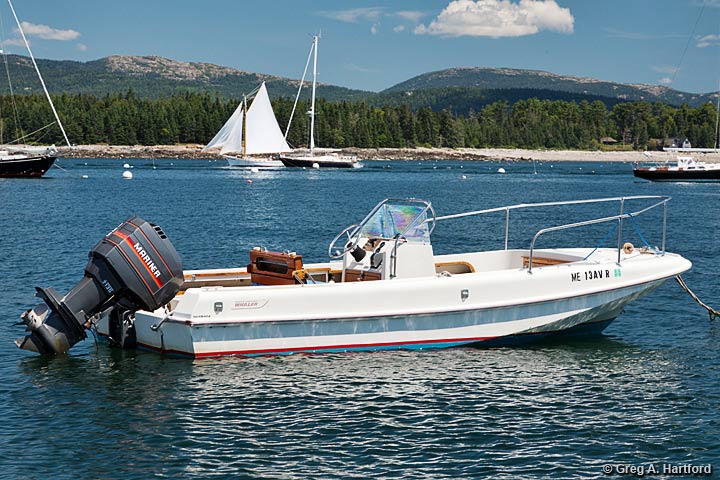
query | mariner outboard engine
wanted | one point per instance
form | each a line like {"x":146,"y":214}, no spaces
{"x":135,"y":267}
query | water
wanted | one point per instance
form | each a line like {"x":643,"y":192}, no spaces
{"x":645,"y":392}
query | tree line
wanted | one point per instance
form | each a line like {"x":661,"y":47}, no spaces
{"x":196,"y":117}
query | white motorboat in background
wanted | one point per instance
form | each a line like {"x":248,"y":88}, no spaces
{"x":386,"y":288}
{"x":251,"y":132}
{"x":686,"y":169}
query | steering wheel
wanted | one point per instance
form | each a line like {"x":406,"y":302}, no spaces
{"x":351,"y":243}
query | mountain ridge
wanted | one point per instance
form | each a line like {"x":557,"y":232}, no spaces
{"x":486,"y":77}
{"x":155,"y":76}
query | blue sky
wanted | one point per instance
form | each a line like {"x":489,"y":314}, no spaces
{"x":373,"y":45}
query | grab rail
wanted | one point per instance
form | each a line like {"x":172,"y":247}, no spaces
{"x":664,"y":199}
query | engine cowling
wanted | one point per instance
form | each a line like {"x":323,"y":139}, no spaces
{"x":135,"y":267}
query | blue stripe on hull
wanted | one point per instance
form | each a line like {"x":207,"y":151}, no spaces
{"x":591,"y":328}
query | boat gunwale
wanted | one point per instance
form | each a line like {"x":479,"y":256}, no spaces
{"x":595,"y":291}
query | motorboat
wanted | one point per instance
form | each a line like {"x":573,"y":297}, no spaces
{"x":384,"y":287}
{"x":686,"y":169}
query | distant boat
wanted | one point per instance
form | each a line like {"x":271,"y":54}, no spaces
{"x":686,"y":169}
{"x":251,"y":130}
{"x":22,"y":161}
{"x":312,"y":160}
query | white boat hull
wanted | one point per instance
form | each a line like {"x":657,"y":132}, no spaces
{"x":252,"y":162}
{"x":417,"y":313}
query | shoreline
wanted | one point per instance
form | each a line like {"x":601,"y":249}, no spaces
{"x":192,"y":152}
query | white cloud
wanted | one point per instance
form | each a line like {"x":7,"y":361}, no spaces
{"x":357,"y":68}
{"x":411,"y":15}
{"x":14,"y":42}
{"x":48,"y":33}
{"x":81,"y":46}
{"x":615,"y":33}
{"x":399,"y":28}
{"x":665,"y":69}
{"x":354,"y":15}
{"x":499,"y":18}
{"x":372,"y":15}
{"x":665,"y":81}
{"x":708,"y":41}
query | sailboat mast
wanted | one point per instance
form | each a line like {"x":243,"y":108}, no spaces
{"x":42,"y":82}
{"x":312,"y":108}
{"x":244,"y":127}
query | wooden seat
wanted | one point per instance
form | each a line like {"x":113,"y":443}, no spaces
{"x":542,"y":261}
{"x":360,"y":275}
{"x":274,"y":268}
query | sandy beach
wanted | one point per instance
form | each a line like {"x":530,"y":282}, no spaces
{"x":192,"y":151}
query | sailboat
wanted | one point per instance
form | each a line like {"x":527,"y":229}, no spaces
{"x":22,"y":161}
{"x":252,"y":130}
{"x":312,"y":160}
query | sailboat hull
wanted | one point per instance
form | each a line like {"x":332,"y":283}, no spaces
{"x":25,"y":166}
{"x":325,"y":161}
{"x":240,"y":162}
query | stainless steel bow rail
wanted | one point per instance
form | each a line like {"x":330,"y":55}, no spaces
{"x":661,"y":200}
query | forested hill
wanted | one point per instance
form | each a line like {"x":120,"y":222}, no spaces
{"x":508,"y":78}
{"x":152,"y":77}
{"x":466,"y":100}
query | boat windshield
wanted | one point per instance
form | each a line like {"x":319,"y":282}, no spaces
{"x":412,"y":219}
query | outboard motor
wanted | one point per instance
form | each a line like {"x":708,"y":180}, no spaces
{"x":135,"y":267}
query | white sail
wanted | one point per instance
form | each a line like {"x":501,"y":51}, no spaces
{"x":262,"y":130}
{"x":234,"y":141}
{"x":223,"y":136}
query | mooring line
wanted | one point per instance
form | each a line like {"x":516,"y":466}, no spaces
{"x":711,"y":311}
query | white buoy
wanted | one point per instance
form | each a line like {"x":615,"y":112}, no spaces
{"x":464,"y":177}
{"x":255,"y":170}
{"x":126,"y":165}
{"x":127,"y":175}
{"x":501,"y":170}
{"x":315,"y":165}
